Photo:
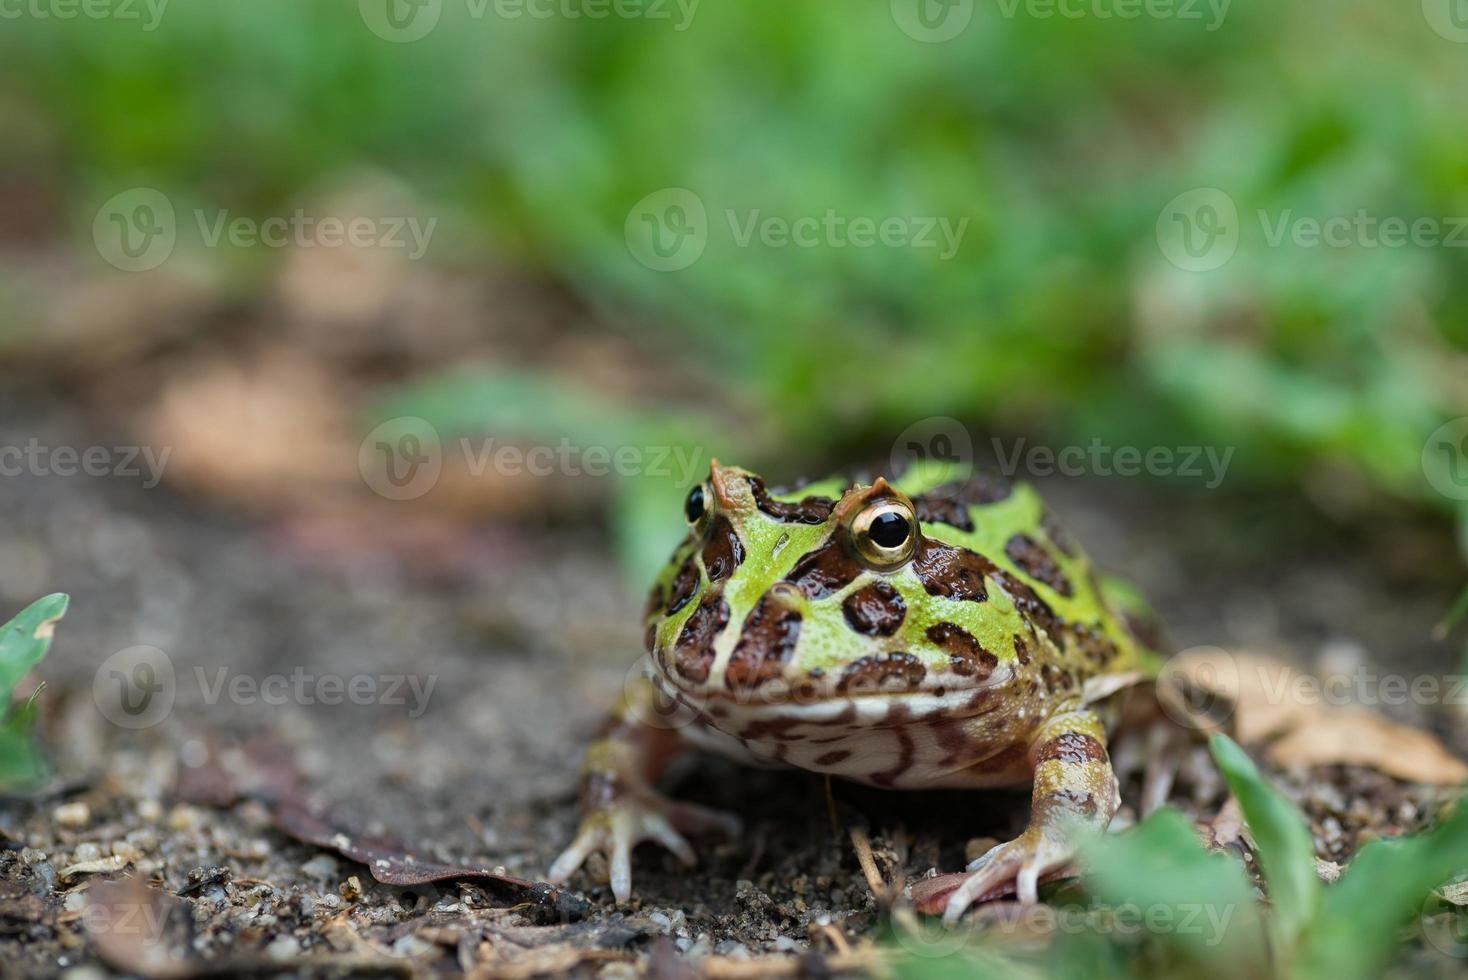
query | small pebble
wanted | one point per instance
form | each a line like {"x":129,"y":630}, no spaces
{"x":283,"y":948}
{"x":72,"y":815}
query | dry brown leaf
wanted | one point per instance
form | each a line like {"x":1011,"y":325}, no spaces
{"x":1271,"y":699}
{"x":1362,"y":737}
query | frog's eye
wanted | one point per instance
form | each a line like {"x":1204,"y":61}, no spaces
{"x":885,"y":533}
{"x":696,"y":505}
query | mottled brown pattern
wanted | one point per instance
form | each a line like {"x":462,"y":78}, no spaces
{"x":1092,"y":643}
{"x":904,"y":754}
{"x":685,"y":585}
{"x":825,"y":570}
{"x":765,"y":645}
{"x":888,"y":673}
{"x":956,"y":573}
{"x":1072,"y":747}
{"x":810,"y":510}
{"x":1058,"y":536}
{"x":1030,"y":605}
{"x":1074,"y":800}
{"x":1021,"y":649}
{"x":875,"y":610}
{"x":932,"y":508}
{"x":650,"y":637}
{"x":1146,"y":630}
{"x":831,"y":758}
{"x":724,"y":551}
{"x":693,"y":654}
{"x":966,"y":655}
{"x":982,"y":487}
{"x":1032,"y":559}
{"x":1057,"y":679}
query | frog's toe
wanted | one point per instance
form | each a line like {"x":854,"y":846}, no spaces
{"x":1022,"y":862}
{"x":615,"y":833}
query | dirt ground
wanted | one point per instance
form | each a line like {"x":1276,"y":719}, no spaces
{"x":526,"y":636}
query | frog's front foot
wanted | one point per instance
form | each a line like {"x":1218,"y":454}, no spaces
{"x":1022,"y":861}
{"x":640,"y":815}
{"x":1074,"y":798}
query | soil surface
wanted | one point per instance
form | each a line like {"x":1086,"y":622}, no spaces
{"x":525,"y":633}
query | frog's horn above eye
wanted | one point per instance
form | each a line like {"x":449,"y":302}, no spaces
{"x":726,"y":484}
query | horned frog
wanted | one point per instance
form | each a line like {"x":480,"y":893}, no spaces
{"x":912,"y":634}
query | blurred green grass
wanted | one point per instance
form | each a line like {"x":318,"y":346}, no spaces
{"x":1060,"y":141}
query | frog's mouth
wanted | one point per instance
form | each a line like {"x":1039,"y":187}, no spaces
{"x":881,"y":696}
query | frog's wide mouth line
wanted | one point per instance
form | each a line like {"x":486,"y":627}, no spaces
{"x":875,"y":708}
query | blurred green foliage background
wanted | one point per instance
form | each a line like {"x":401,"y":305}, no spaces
{"x":1059,"y":140}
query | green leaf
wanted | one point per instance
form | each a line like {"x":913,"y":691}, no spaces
{"x":1197,"y":902}
{"x":1285,"y":849}
{"x":24,"y":641}
{"x":1383,"y":889}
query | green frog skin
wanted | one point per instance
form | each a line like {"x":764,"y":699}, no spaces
{"x":909,"y":635}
